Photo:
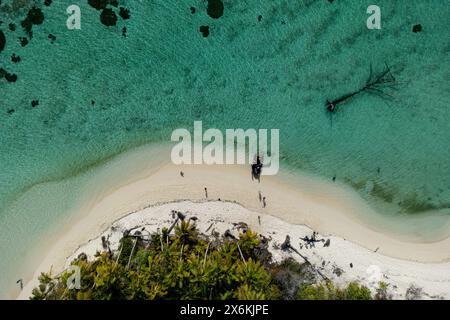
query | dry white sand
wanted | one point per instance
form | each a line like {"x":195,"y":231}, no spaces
{"x":143,"y":178}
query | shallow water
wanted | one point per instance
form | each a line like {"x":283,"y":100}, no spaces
{"x":273,"y":73}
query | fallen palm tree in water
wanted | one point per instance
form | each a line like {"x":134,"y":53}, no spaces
{"x":378,"y":84}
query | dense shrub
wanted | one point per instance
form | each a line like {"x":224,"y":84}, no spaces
{"x":327,"y":291}
{"x":188,"y":265}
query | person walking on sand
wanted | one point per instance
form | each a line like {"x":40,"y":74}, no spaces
{"x":20,"y":282}
{"x":264,"y":202}
{"x":259,"y":196}
{"x":182,"y":174}
{"x":206,"y":193}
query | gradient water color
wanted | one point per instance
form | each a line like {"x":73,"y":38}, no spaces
{"x":101,"y":93}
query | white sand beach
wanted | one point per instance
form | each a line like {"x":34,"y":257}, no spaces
{"x":142,"y":187}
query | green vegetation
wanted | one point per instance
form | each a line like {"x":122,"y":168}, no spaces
{"x":328,"y":291}
{"x":188,"y":265}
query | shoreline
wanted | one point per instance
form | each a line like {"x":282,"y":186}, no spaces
{"x":330,"y":209}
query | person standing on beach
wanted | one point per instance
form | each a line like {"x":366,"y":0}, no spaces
{"x":264,"y":202}
{"x":20,"y":282}
{"x":260,"y":196}
{"x":182,"y":174}
{"x":206,"y":193}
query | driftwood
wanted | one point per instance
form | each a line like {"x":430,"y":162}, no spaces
{"x":180,"y":216}
{"x":132,"y":250}
{"x":106,"y":243}
{"x":286,"y":245}
{"x":240,"y":251}
{"x":241,"y":226}
{"x":118,"y":256}
{"x":206,"y":254}
{"x":228,"y":234}
{"x":311,"y":241}
{"x":375,"y":84}
{"x":210,"y":226}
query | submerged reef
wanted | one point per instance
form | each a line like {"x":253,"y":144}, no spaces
{"x":101,"y":4}
{"x":215,"y":8}
{"x":29,"y":14}
{"x":2,"y":40}
{"x":124,"y":13}
{"x":15,"y":58}
{"x":15,"y":7}
{"x":35,"y":16}
{"x":108,"y":16}
{"x":417,"y":28}
{"x":23,"y":41}
{"x":52,"y":38}
{"x":205,"y":31}
{"x":10,"y":77}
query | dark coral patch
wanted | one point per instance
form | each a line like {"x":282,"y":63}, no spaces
{"x":34,"y":103}
{"x":15,"y":58}
{"x":98,"y":4}
{"x":192,"y":10}
{"x":215,"y":8}
{"x":27,"y":26}
{"x":108,"y":17}
{"x":34,"y":17}
{"x":48,"y":2}
{"x":124,"y":13}
{"x":101,"y":4}
{"x":10,"y":77}
{"x":204,"y":30}
{"x":2,"y":41}
{"x":23,"y":41}
{"x":12,"y":27}
{"x":51,"y":37}
{"x":417,"y":28}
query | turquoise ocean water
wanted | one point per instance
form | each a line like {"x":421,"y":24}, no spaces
{"x":275,"y":71}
